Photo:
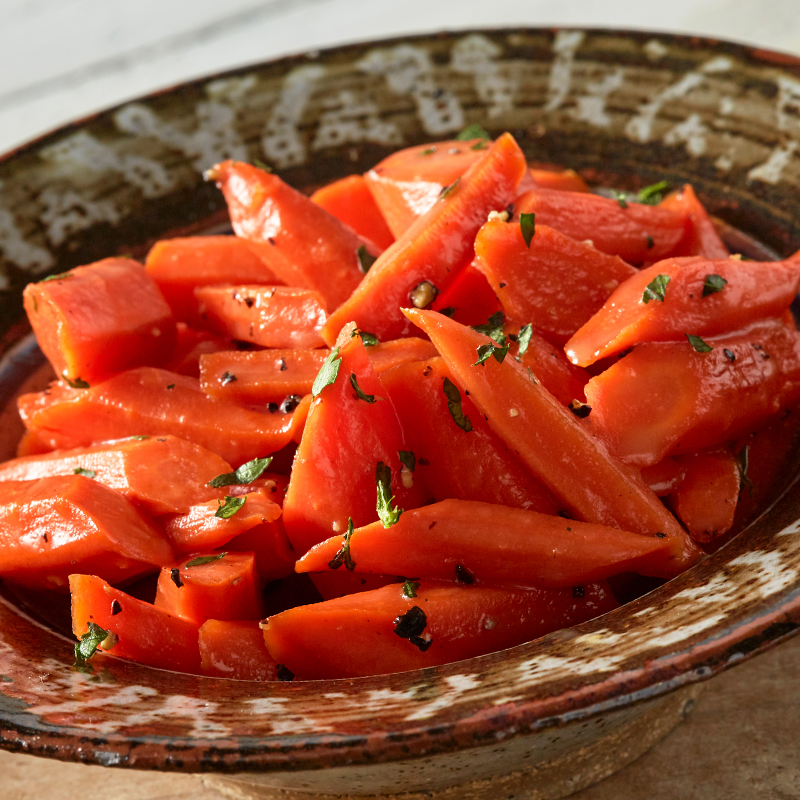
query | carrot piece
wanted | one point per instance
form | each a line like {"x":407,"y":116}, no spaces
{"x":201,"y":529}
{"x":270,"y":545}
{"x":385,"y":355}
{"x":149,"y":401}
{"x":191,"y":345}
{"x":549,"y":440}
{"x":351,"y":202}
{"x":473,"y":465}
{"x":340,"y":583}
{"x":634,"y":232}
{"x":664,"y":476}
{"x":567,"y":180}
{"x":303,"y":244}
{"x":210,"y":586}
{"x":432,"y":247}
{"x":736,"y":294}
{"x":262,"y":376}
{"x":100,"y":319}
{"x":555,"y":282}
{"x":470,"y":299}
{"x":701,"y":237}
{"x":52,"y":526}
{"x":179,"y":265}
{"x":163,"y":475}
{"x":408,"y":183}
{"x":235,"y":649}
{"x":356,"y":635}
{"x":448,"y":539}
{"x":705,"y":500}
{"x":346,"y":436}
{"x":271,"y":316}
{"x":665,"y":398}
{"x":142,"y":632}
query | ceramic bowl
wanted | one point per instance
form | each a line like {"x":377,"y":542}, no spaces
{"x":538,"y":720}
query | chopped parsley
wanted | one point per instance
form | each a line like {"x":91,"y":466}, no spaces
{"x":621,"y":198}
{"x":446,"y":190}
{"x":454,"y":405}
{"x":90,"y":641}
{"x":410,"y":625}
{"x":408,"y":459}
{"x":698,"y":344}
{"x":59,"y":277}
{"x":493,"y":328}
{"x":527,"y":225}
{"x":200,"y":560}
{"x":471,"y":132}
{"x":387,"y":512}
{"x":231,"y":505}
{"x":247,"y":473}
{"x":486,"y":351}
{"x":524,"y":337}
{"x":428,"y":151}
{"x":261,"y":165}
{"x":344,"y":556}
{"x":368,"y":339}
{"x":360,"y":393}
{"x":713,"y":284}
{"x":327,"y":373}
{"x":78,"y":383}
{"x":652,"y":195}
{"x":365,"y":259}
{"x":447,"y":312}
{"x":650,"y":242}
{"x":87,"y":473}
{"x":410,"y":588}
{"x":655,"y":290}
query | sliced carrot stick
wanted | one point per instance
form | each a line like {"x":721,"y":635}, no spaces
{"x":268,"y":541}
{"x":686,"y":295}
{"x":351,"y":202}
{"x":423,"y":259}
{"x":191,"y":345}
{"x":385,"y":355}
{"x":272,"y":316}
{"x":554,"y":282}
{"x":179,"y":265}
{"x":567,"y":180}
{"x":148,"y":401}
{"x":261,"y":376}
{"x":303,"y":244}
{"x":549,"y":440}
{"x":383,"y":631}
{"x":141,"y":631}
{"x":162,"y":474}
{"x":235,"y":649}
{"x":701,"y":237}
{"x":449,"y":539}
{"x":100,"y":319}
{"x":470,"y":299}
{"x":52,"y":526}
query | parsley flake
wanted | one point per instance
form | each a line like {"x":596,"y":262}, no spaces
{"x":387,"y":512}
{"x":428,"y":151}
{"x":365,"y":259}
{"x":527,"y":225}
{"x":78,"y":383}
{"x":88,"y":473}
{"x":485,"y":351}
{"x":525,"y":333}
{"x":713,"y":284}
{"x":90,"y":641}
{"x":59,"y":277}
{"x":454,"y":405}
{"x":410,"y":588}
{"x":261,"y":165}
{"x":200,"y":560}
{"x":656,"y":289}
{"x":360,"y":393}
{"x":231,"y":505}
{"x":344,"y":556}
{"x":368,"y":339}
{"x":493,"y":328}
{"x":328,"y":372}
{"x":408,"y":459}
{"x":471,"y":132}
{"x":410,"y":625}
{"x":446,"y":190}
{"x":446,"y":312}
{"x":247,"y":473}
{"x":652,"y":195}
{"x":699,"y":345}
{"x":621,"y":198}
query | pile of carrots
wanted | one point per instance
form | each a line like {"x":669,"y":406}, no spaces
{"x":431,"y":412}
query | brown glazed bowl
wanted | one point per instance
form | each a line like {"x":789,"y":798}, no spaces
{"x":540,"y":720}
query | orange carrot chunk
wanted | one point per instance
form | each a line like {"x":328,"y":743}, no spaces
{"x":384,"y":631}
{"x":52,"y":526}
{"x":550,"y":441}
{"x":139,"y":631}
{"x":385,"y":355}
{"x":566,"y":180}
{"x":449,"y":541}
{"x":235,"y":649}
{"x":100,"y":319}
{"x":701,"y":237}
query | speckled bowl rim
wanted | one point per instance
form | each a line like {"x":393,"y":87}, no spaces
{"x":565,"y":677}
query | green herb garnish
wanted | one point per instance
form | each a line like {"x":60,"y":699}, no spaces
{"x":485,"y":351}
{"x":699,"y":345}
{"x":344,"y":556}
{"x":655,"y":289}
{"x":90,"y":641}
{"x":428,"y":151}
{"x":527,"y":225}
{"x":410,"y":625}
{"x":493,"y":328}
{"x":365,"y":259}
{"x":387,"y":513}
{"x":58,"y":277}
{"x":247,"y":473}
{"x":360,"y":393}
{"x":200,"y":560}
{"x":446,"y":190}
{"x":621,"y":198}
{"x":471,"y":132}
{"x":231,"y":505}
{"x":454,"y":405}
{"x":327,"y":373}
{"x":652,"y":195}
{"x":368,"y":339}
{"x":78,"y":383}
{"x":713,"y":284}
{"x":447,"y":312}
{"x":524,"y":337}
{"x":261,"y":165}
{"x":410,"y":588}
{"x":87,"y":473}
{"x":408,"y":459}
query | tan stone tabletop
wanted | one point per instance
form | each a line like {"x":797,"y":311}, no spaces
{"x":741,"y":742}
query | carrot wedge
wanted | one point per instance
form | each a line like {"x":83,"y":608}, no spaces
{"x":235,"y":649}
{"x":433,"y":247}
{"x":549,"y":440}
{"x":701,"y":238}
{"x":449,"y":539}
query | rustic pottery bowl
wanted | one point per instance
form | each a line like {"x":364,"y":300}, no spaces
{"x":540,"y":720}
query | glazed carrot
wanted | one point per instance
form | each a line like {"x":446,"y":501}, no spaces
{"x":633,"y":231}
{"x":553,"y":282}
{"x":162,"y":474}
{"x":210,"y":586}
{"x":449,"y":539}
{"x":271,"y":316}
{"x":262,"y":376}
{"x":351,"y":202}
{"x":379,"y":632}
{"x":52,"y":526}
{"x":566,"y":180}
{"x":686,"y":295}
{"x":148,"y":401}
{"x":349,"y":432}
{"x":407,"y":183}
{"x":705,"y":500}
{"x":664,"y":476}
{"x":701,"y":237}
{"x":270,"y":545}
{"x":426,"y":255}
{"x":454,"y":463}
{"x":470,"y":299}
{"x":304,"y":245}
{"x":385,"y":355}
{"x":179,"y":265}
{"x":666,"y":398}
{"x":201,"y":529}
{"x":235,"y":649}
{"x":100,"y":319}
{"x":142,"y":632}
{"x":191,"y":345}
{"x":549,"y":440}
